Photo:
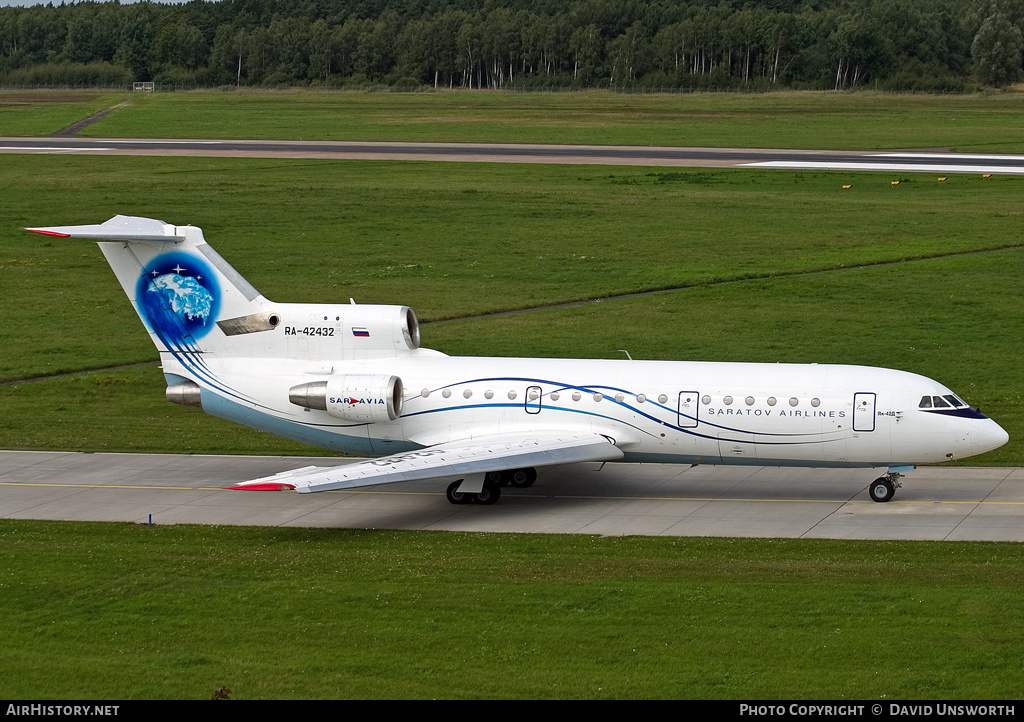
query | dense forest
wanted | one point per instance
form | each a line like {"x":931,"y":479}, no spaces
{"x":928,"y":45}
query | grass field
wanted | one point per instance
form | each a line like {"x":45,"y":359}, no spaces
{"x":43,"y":112}
{"x":991,"y":122}
{"x":109,"y":611}
{"x":783,"y":120}
{"x":307,"y":231}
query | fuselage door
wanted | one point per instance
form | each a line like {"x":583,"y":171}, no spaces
{"x":688,"y":406}
{"x":864,"y":411}
{"x":533,"y":399}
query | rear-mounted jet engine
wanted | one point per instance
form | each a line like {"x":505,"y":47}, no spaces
{"x":362,"y":398}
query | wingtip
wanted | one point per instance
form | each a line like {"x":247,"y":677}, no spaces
{"x":47,"y":232}
{"x":264,"y":486}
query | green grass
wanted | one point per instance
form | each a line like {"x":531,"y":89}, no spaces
{"x":461,"y":239}
{"x":43,"y":112}
{"x":456,"y":239}
{"x":990,"y":122}
{"x":113,"y":611}
{"x":986,"y":122}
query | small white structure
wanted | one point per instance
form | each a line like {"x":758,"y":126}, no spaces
{"x":144,"y":87}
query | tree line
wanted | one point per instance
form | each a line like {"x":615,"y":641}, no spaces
{"x":923,"y":45}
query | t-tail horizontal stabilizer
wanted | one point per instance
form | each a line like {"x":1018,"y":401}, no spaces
{"x":118,"y":228}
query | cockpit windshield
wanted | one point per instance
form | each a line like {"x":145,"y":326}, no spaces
{"x":949,"y":401}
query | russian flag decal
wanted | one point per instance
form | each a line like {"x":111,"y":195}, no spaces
{"x":360,"y":331}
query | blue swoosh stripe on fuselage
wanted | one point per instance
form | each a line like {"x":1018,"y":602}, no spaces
{"x":620,"y":421}
{"x":591,"y":389}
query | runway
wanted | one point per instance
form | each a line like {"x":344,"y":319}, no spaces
{"x":935,"y":503}
{"x":895,"y":161}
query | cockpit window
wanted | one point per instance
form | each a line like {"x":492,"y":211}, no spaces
{"x":941,"y":402}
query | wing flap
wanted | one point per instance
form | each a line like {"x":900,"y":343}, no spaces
{"x":458,"y":458}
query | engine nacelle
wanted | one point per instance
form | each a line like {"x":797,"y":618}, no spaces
{"x":361,"y":398}
{"x":186,"y":393}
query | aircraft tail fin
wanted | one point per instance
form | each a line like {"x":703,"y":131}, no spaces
{"x":178,"y":284}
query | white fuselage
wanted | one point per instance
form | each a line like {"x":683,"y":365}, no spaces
{"x":654,"y":411}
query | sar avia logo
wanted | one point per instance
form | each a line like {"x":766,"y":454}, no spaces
{"x":352,"y":401}
{"x":178,"y":297}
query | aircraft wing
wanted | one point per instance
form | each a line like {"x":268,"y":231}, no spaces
{"x":453,"y":459}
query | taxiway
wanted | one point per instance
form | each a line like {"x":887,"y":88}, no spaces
{"x":936,"y":503}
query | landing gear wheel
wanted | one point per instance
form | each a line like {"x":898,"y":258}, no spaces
{"x":489,"y":494}
{"x":498,"y":477}
{"x":522,"y":478}
{"x":881,"y":489}
{"x":455,"y":496}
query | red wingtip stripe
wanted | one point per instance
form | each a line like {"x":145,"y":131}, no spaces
{"x":269,"y":486}
{"x":49,"y":233}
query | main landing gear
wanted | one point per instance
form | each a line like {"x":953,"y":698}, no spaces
{"x":519,"y":478}
{"x":488,"y":495}
{"x":884,"y":487}
{"x":491,"y":491}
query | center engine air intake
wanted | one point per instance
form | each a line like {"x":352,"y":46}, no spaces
{"x":362,"y":398}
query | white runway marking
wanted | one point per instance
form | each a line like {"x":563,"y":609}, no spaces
{"x":46,"y":149}
{"x":905,"y":167}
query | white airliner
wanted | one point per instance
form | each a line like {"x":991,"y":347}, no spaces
{"x":354,"y":379}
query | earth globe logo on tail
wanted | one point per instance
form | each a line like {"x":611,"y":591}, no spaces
{"x":179,"y":298}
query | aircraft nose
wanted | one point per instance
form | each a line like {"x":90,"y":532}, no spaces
{"x":986,"y":435}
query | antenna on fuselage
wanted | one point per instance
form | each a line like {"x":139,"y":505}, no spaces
{"x":627,"y":353}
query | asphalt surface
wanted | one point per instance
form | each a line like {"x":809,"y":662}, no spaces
{"x":909,"y":161}
{"x":935,"y":503}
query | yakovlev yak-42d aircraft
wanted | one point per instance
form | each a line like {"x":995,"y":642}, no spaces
{"x":354,"y":379}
